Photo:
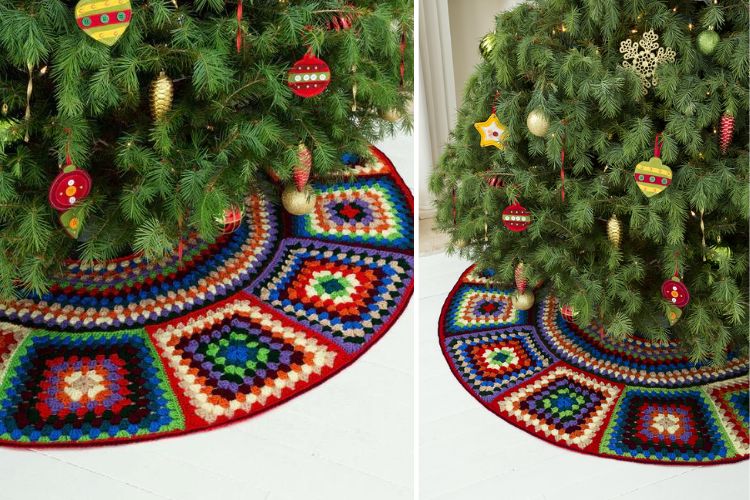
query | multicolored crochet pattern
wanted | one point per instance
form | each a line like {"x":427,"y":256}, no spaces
{"x":130,"y":350}
{"x":576,"y":388}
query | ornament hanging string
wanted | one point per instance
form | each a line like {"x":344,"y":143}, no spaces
{"x":658,"y":143}
{"x":402,"y":48}
{"x":68,"y":159}
{"x":494,"y":102}
{"x":703,"y":236}
{"x":239,"y":26}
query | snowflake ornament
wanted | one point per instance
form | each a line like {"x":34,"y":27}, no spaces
{"x":646,"y":56}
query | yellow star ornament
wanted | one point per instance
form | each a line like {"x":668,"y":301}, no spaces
{"x":492,"y":132}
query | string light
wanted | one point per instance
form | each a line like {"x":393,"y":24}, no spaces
{"x":690,"y":26}
{"x":563,"y":28}
{"x":43,"y":70}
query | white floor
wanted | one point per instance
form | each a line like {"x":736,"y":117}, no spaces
{"x":352,"y":437}
{"x":468,"y":453}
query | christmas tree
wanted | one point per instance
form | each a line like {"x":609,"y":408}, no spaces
{"x":127,"y":126}
{"x":613,"y":166}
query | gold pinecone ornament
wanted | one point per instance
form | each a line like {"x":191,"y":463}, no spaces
{"x":614,"y":231}
{"x":162,"y":92}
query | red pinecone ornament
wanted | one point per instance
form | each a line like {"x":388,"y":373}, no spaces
{"x":726,"y":130}
{"x":496,"y":181}
{"x":302,"y":169}
{"x":521,"y":282}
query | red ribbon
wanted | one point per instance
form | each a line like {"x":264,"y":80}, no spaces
{"x":402,"y":68}
{"x":562,"y":174}
{"x":68,"y":159}
{"x":239,"y":26}
{"x":657,"y":145}
{"x":494,"y":101}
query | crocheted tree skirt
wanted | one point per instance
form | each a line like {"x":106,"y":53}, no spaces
{"x":131,"y":350}
{"x":574,"y":387}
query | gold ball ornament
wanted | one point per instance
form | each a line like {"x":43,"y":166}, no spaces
{"x":460,"y":243}
{"x":162,"y":91}
{"x":523,"y":301}
{"x":614,"y":231}
{"x":298,"y":202}
{"x":392,"y":115}
{"x":487,"y":45}
{"x":537,"y":123}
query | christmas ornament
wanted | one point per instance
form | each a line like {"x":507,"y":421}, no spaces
{"x":303,"y":167}
{"x":298,"y":202}
{"x":459,"y":243}
{"x":9,"y":132}
{"x":495,"y":181}
{"x":568,"y":313}
{"x":521,"y":282}
{"x":537,"y":123}
{"x":516,"y":218}
{"x":72,"y":185}
{"x":309,"y":76}
{"x":674,"y":313}
{"x":71,"y":223}
{"x":29,"y":90}
{"x":103,"y":20}
{"x":645,"y":56}
{"x":707,"y":41}
{"x":162,"y":91}
{"x":392,"y":115}
{"x":719,"y":254}
{"x":231,"y":219}
{"x":675,"y":292}
{"x":726,"y":129}
{"x":487,"y":45}
{"x":653,"y":177}
{"x":523,"y":301}
{"x":340,"y":21}
{"x":491,"y":132}
{"x":614,"y":231}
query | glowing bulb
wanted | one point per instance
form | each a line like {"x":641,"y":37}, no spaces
{"x":690,"y":26}
{"x":563,"y":28}
{"x":43,"y":70}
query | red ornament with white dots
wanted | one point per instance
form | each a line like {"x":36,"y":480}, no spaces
{"x":675,"y":292}
{"x":309,"y":76}
{"x":72,"y":185}
{"x":516,"y":217}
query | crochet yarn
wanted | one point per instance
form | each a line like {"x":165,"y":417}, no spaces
{"x":576,"y":388}
{"x":129,"y":350}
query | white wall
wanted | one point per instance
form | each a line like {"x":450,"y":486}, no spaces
{"x":469,"y":22}
{"x":449,"y":34}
